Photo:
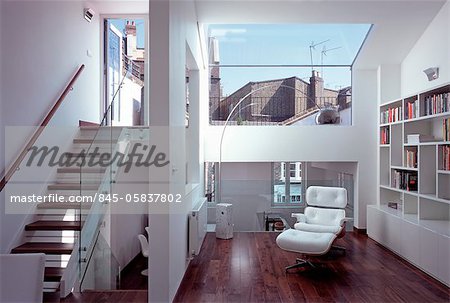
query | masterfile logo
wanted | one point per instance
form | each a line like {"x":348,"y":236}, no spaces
{"x":140,"y":155}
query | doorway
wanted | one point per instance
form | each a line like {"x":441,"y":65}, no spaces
{"x":125,"y":69}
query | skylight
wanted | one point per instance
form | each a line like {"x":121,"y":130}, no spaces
{"x":312,"y":61}
{"x":289,"y":44}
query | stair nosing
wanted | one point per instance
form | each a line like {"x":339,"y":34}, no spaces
{"x":50,"y":248}
{"x":56,"y":225}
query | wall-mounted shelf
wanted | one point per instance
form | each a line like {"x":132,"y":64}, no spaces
{"x":413,"y":222}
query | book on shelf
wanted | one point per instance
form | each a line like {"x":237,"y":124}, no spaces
{"x":405,"y":180}
{"x":446,"y":157}
{"x":384,"y":135}
{"x":412,"y":110}
{"x":446,"y":129}
{"x":436,"y":104}
{"x":417,"y":138}
{"x":392,"y":114}
{"x":411,"y":180}
{"x":411,"y":158}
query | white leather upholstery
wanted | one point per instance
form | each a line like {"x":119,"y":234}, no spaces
{"x":305,"y":242}
{"x":21,"y":277}
{"x":335,"y":197}
{"x":318,"y":228}
{"x":329,"y":216}
{"x":324,"y":216}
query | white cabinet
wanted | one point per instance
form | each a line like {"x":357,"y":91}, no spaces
{"x":375,"y":224}
{"x":424,"y":248}
{"x":429,"y":243}
{"x":410,"y":243}
{"x":444,"y":259}
{"x":394,"y":234}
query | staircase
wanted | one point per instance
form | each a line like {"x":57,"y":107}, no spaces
{"x":58,"y":225}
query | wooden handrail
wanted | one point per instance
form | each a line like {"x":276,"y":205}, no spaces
{"x":37,"y":133}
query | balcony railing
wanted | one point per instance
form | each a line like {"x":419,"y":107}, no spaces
{"x":135,"y":70}
{"x":270,"y":110}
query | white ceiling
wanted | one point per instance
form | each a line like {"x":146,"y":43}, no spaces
{"x":397,"y":24}
{"x":119,"y":7}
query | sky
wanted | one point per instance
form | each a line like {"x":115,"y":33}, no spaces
{"x":278,"y":44}
{"x":140,"y":32}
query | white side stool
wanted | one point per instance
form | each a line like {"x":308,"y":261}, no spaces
{"x":224,"y":221}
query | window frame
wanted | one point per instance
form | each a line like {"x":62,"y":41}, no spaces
{"x":285,"y":178}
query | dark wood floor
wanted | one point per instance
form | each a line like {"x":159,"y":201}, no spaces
{"x":250,"y":268}
{"x":112,"y":296}
{"x":131,"y":277}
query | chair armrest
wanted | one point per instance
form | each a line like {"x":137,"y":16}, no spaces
{"x":300,"y":217}
{"x":344,"y":220}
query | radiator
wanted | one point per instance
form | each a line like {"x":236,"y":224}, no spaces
{"x":197,"y":227}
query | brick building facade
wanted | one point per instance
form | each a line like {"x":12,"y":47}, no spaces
{"x":275,"y":100}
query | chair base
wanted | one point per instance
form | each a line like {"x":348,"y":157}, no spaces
{"x":300,"y":263}
{"x":144,"y":272}
{"x":338,"y":248}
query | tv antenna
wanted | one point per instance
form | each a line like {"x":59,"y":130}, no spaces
{"x":324,"y":53}
{"x":312,"y":46}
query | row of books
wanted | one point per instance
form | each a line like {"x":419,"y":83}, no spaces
{"x":393,"y":114}
{"x":384,"y":135}
{"x":446,"y":129}
{"x":412,"y":110}
{"x":405,"y":180}
{"x":411,"y":158}
{"x":436,"y":104}
{"x":446,"y":157}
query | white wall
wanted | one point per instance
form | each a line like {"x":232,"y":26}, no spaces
{"x":172,"y":26}
{"x":431,"y":50}
{"x":389,"y":82}
{"x":355,"y":143}
{"x":42,"y":45}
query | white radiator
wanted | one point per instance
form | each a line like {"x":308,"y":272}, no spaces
{"x":197,"y":227}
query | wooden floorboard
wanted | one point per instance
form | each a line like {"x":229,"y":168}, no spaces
{"x":250,"y":268}
{"x":118,"y":296}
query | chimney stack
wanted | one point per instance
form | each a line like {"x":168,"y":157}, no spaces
{"x":315,"y":89}
{"x":130,"y":28}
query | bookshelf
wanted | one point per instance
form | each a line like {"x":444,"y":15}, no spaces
{"x":412,"y":216}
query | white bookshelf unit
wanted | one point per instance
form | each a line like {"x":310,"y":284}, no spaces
{"x":412,"y":216}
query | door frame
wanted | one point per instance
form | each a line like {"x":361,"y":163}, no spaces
{"x":102,"y":104}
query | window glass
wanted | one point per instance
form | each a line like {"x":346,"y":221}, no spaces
{"x":283,"y":74}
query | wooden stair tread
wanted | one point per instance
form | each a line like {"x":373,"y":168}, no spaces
{"x":63,"y":205}
{"x":44,"y":247}
{"x":95,"y":141}
{"x":81,"y":155}
{"x":83,"y":123}
{"x":76,"y":170}
{"x":73,"y":186}
{"x":54,"y":225}
{"x":53,"y":273}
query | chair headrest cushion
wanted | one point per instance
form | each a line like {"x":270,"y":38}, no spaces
{"x":335,"y":197}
